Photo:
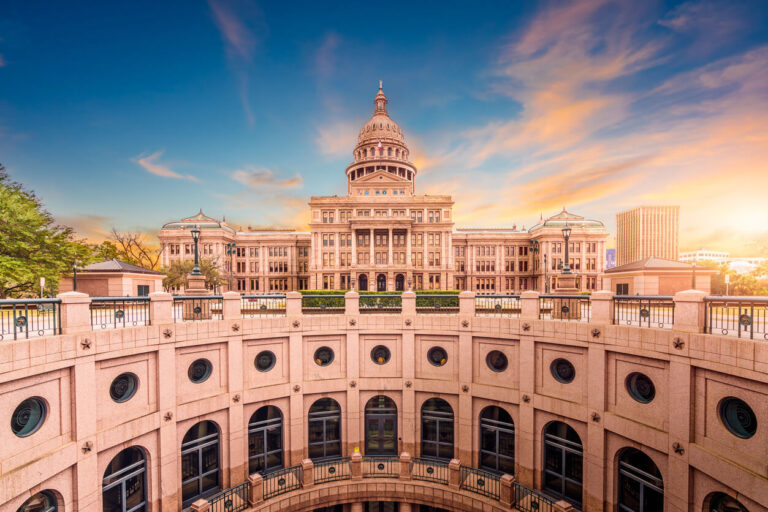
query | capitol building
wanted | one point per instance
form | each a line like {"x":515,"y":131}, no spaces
{"x":383,"y":236}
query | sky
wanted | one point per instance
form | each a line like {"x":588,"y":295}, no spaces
{"x":133,"y":114}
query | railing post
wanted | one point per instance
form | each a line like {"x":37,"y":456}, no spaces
{"x":200,"y":505}
{"x":352,"y":304}
{"x":405,"y":466}
{"x":256,"y":495}
{"x":602,"y":306}
{"x":409,"y":304}
{"x":562,"y":506}
{"x":292,"y":304}
{"x":231,"y":306}
{"x":356,"y":466}
{"x":75,"y":312}
{"x":454,"y":473}
{"x":507,"y":490}
{"x":160,"y":308}
{"x":467,"y":304}
{"x":529,"y":305}
{"x":308,"y":473}
{"x":690,"y":311}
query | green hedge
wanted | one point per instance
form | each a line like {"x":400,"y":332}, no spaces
{"x":335,"y":299}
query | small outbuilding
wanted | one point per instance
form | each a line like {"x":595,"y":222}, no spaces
{"x":656,"y":276}
{"x":114,"y":278}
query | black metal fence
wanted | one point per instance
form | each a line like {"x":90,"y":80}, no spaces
{"x":332,"y":470}
{"x":429,"y":470}
{"x":381,"y":467}
{"x":565,"y":307}
{"x":498,"y":305}
{"x":381,"y":303}
{"x":190,"y":308}
{"x":644,"y":310}
{"x":322,"y":304}
{"x":528,"y":500}
{"x":481,"y":481}
{"x":252,"y":306}
{"x":282,"y":481}
{"x":437,"y":303}
{"x":117,"y":312}
{"x":24,"y":318}
{"x":233,"y":499}
{"x":743,"y":317}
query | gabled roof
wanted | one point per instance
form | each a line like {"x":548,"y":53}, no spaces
{"x":567,"y":218}
{"x":653,"y":263}
{"x":379,"y":173}
{"x":114,"y":265}
{"x":201,"y":220}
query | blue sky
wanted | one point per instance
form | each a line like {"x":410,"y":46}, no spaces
{"x":131,"y":114}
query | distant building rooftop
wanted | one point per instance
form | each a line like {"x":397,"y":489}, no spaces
{"x":114,"y":265}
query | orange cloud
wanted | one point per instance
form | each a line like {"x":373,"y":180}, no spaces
{"x":150,"y":164}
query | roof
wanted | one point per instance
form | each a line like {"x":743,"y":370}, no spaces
{"x":201,"y":220}
{"x":114,"y":265}
{"x":653,"y":263}
{"x":566,"y":218}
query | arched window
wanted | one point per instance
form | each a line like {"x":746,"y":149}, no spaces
{"x":563,"y":460}
{"x":123,"y":488}
{"x":380,"y":426}
{"x":497,"y":440}
{"x":44,"y":501}
{"x":436,"y":429}
{"x":265,"y":440}
{"x":389,"y":151}
{"x":324,"y":429}
{"x":721,"y":502}
{"x":397,"y":153}
{"x":200,"y":471}
{"x":640,"y":486}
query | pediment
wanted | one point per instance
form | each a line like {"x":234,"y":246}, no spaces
{"x":381,"y":176}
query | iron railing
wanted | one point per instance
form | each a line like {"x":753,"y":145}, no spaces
{"x":743,"y":317}
{"x":528,"y":500}
{"x":282,"y":481}
{"x":252,"y":306}
{"x":381,"y":303}
{"x":565,"y":307}
{"x":429,"y":470}
{"x":481,"y":481}
{"x":118,"y":312}
{"x":332,"y":470}
{"x":323,"y":304}
{"x":644,"y":310}
{"x":381,"y":467}
{"x":22,"y":318}
{"x":498,"y":305}
{"x":191,"y":308}
{"x":233,"y":499}
{"x":437,"y":303}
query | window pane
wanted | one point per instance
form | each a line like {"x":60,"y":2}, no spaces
{"x":573,"y":466}
{"x":488,"y":440}
{"x":274,"y":438}
{"x":134,"y":491}
{"x":189,"y":466}
{"x":332,"y":430}
{"x":553,"y":459}
{"x":255,"y":443}
{"x":210,"y":482}
{"x":112,"y":499}
{"x":189,"y":490}
{"x":429,"y":430}
{"x":210,"y":458}
{"x":573,"y":491}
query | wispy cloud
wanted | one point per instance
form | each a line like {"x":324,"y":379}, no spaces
{"x":150,"y":164}
{"x":93,"y":228}
{"x":334,"y":138}
{"x":257,"y":177}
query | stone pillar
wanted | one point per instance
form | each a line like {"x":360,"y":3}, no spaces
{"x":308,"y":473}
{"x":409,"y":305}
{"x":405,"y":466}
{"x":677,"y":486}
{"x":525,"y":433}
{"x":507,"y":490}
{"x":352,"y":304}
{"x":389,"y":248}
{"x":529,"y":305}
{"x":87,"y":489}
{"x":292,"y":304}
{"x":690,"y":311}
{"x":454,"y":474}
{"x":373,"y":260}
{"x":200,"y":505}
{"x":467,"y":304}
{"x":354,"y":249}
{"x":602,"y":307}
{"x":160,"y":308}
{"x":231,"y":306}
{"x":408,"y":257}
{"x":75,"y":312}
{"x":257,"y":489}
{"x":356,"y":466}
{"x":562,"y":506}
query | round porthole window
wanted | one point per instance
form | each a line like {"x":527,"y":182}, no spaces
{"x":640,"y":387}
{"x":738,"y":417}
{"x":380,"y":354}
{"x":123,"y":387}
{"x":200,"y":370}
{"x":265,"y":361}
{"x":562,"y":370}
{"x":496,"y":361}
{"x":28,"y":417}
{"x":437,"y":356}
{"x":323,"y":356}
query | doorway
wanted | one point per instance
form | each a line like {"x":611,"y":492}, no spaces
{"x":381,"y":283}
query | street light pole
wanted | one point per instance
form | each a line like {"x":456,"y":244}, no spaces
{"x":196,"y":238}
{"x":74,"y":276}
{"x":546,"y":276}
{"x":567,"y":264}
{"x":230,"y":252}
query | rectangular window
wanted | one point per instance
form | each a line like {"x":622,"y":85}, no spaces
{"x":142,"y":290}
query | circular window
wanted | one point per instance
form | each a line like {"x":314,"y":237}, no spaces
{"x":738,"y":417}
{"x":200,"y":370}
{"x":562,"y":370}
{"x":265,"y":361}
{"x":324,"y":356}
{"x":28,"y":417}
{"x":496,"y":361}
{"x":123,"y":387}
{"x":437,"y":356}
{"x":640,"y":387}
{"x":380,"y":354}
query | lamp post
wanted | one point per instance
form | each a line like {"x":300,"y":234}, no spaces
{"x":535,"y":251}
{"x":410,"y":284}
{"x":567,"y":264}
{"x":230,"y":251}
{"x":196,"y":238}
{"x":546,"y":275}
{"x":74,"y":276}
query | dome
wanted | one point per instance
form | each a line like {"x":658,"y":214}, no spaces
{"x":380,"y":128}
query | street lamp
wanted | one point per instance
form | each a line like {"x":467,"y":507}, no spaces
{"x":535,"y":251}
{"x":567,"y":264}
{"x":74,"y":276}
{"x":196,"y":238}
{"x":230,"y":251}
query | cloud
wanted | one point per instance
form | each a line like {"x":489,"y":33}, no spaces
{"x":94,"y":228}
{"x":150,"y":164}
{"x":325,"y":55}
{"x":256,"y":177}
{"x":334,"y":138}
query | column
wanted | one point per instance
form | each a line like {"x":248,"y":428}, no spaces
{"x":354,"y":249}
{"x":389,"y":248}
{"x":370,"y":251}
{"x":408,"y":250}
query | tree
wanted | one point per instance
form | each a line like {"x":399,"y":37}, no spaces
{"x":133,"y":248}
{"x":176,"y":273}
{"x":32,"y":245}
{"x":106,"y":250}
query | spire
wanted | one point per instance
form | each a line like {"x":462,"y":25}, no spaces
{"x":380,"y":101}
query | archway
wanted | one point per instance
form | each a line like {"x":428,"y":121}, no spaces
{"x":381,"y":283}
{"x":380,"y":426}
{"x":641,"y":488}
{"x":497,"y":440}
{"x":265,"y":440}
{"x":44,"y":501}
{"x":123,"y":487}
{"x":400,"y":282}
{"x":563,"y":462}
{"x":721,"y":502}
{"x":200,"y":468}
{"x":362,"y":282}
{"x":437,"y":429}
{"x":324,"y":428}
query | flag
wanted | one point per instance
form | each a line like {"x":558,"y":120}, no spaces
{"x":379,"y":143}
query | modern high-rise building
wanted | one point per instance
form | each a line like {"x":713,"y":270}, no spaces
{"x":647,"y":231}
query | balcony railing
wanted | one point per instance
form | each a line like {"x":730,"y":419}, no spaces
{"x":282,"y":481}
{"x":253,"y":306}
{"x":528,"y":500}
{"x":30,"y":317}
{"x":381,"y":467}
{"x":481,"y":481}
{"x":429,"y":470}
{"x":644,"y":311}
{"x":565,"y":307}
{"x":233,"y":499}
{"x":437,"y":303}
{"x":118,"y":312}
{"x":332,"y":470}
{"x":322,"y":304}
{"x":381,"y":303}
{"x":188,"y":309}
{"x":498,"y":305}
{"x":743,"y":317}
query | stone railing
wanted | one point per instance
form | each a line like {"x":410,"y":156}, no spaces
{"x":476,"y":488}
